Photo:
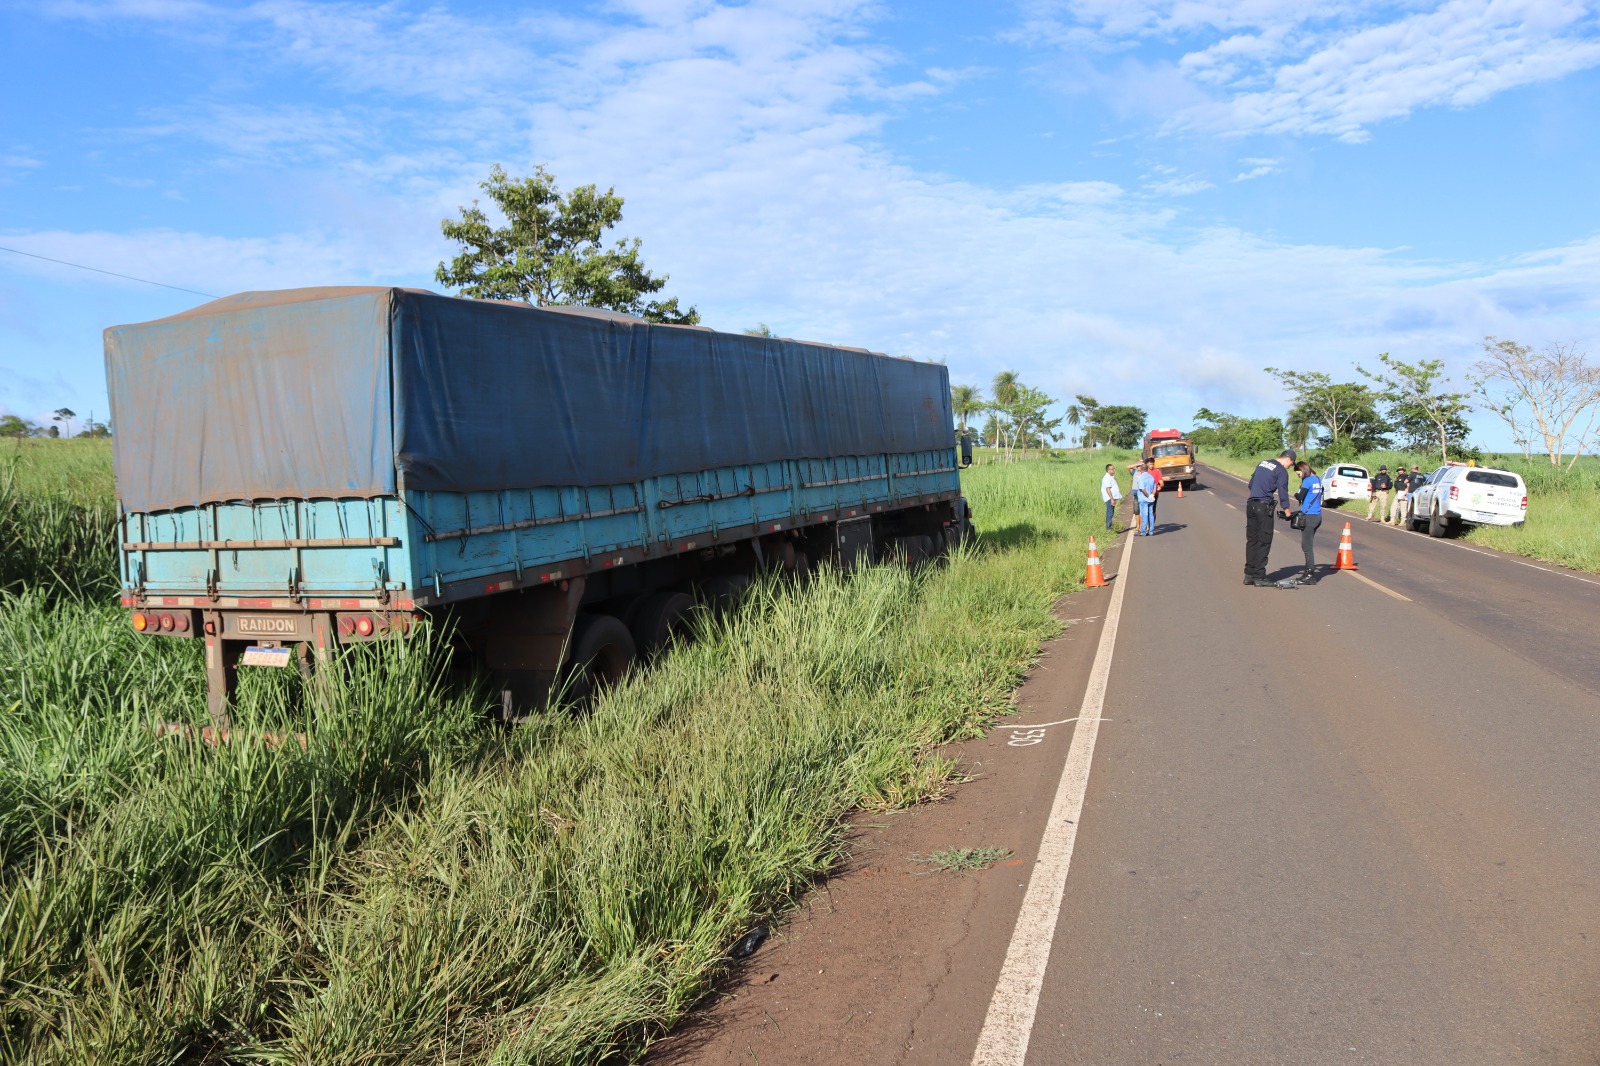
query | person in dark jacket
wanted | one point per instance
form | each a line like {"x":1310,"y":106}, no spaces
{"x":1379,"y":497}
{"x":1271,"y":480}
{"x":1311,"y":511}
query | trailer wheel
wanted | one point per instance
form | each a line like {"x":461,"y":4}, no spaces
{"x":659,"y":617}
{"x":724,"y":590}
{"x":602,"y":649}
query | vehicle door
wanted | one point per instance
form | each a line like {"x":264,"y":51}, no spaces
{"x":1430,"y":491}
{"x":1492,"y":492}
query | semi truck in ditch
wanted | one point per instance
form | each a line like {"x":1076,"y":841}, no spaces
{"x":306,"y":469}
{"x":1170,"y":452}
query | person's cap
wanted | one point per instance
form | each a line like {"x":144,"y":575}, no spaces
{"x":1383,"y":466}
{"x":1289,"y":453}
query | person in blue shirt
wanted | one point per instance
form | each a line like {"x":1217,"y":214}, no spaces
{"x":1144,"y":491}
{"x":1270,"y":480}
{"x":1311,"y":508}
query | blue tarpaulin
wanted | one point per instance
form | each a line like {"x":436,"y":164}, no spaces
{"x":368,"y":391}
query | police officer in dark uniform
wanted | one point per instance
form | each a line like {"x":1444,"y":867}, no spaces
{"x":1271,"y":479}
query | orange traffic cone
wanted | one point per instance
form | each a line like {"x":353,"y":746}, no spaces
{"x":1180,"y":490}
{"x":1096,"y":578}
{"x":1347,"y":553}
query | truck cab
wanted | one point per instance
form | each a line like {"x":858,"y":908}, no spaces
{"x":1170,"y":452}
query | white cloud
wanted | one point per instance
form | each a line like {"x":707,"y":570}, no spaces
{"x":1328,"y":68}
{"x":1258,"y":168}
{"x":746,"y":143}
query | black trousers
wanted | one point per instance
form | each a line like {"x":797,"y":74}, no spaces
{"x":1258,"y":516}
{"x":1307,"y":535}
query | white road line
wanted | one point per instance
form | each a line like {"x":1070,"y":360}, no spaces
{"x":1374,"y":584}
{"x":1009,"y":1024}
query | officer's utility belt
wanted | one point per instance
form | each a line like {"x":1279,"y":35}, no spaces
{"x":1261,"y":503}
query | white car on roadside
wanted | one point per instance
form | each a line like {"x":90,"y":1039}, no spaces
{"x":1461,"y":495}
{"x":1346,"y":481}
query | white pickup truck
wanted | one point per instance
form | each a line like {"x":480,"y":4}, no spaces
{"x":1460,"y":495}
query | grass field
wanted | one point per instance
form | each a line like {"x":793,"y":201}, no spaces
{"x":417,"y":886}
{"x":1563,"y":523}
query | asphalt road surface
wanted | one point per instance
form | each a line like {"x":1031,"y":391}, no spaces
{"x":1350,"y":823}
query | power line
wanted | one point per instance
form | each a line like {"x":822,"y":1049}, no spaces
{"x":113,"y":273}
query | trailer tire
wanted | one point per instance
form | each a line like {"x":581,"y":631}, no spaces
{"x":723,"y":591}
{"x":602,"y":651}
{"x":658,"y":618}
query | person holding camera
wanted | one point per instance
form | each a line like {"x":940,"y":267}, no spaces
{"x":1271,"y":480}
{"x":1308,"y":519}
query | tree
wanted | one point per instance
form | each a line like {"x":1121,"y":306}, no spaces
{"x":64,"y":415}
{"x":1547,"y":394}
{"x":1239,"y":437}
{"x":1420,"y":410}
{"x":760,"y":329}
{"x":551,"y":250}
{"x":966,"y":401}
{"x":1346,"y":409}
{"x":1118,"y":425}
{"x":1085,"y":406}
{"x":1028,"y":410}
{"x":16,"y":426}
{"x":1005,"y":387}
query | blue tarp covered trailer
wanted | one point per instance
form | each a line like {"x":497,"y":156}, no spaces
{"x":334,"y":452}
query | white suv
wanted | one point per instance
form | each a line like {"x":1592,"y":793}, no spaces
{"x":1457,"y":494}
{"x":1346,"y":481}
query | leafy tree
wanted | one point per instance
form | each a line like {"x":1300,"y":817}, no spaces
{"x":92,"y":428}
{"x":64,"y":415}
{"x":1005,"y":387}
{"x":760,"y":329}
{"x":1239,"y":437}
{"x":1346,"y":409}
{"x":16,"y":426}
{"x":1118,"y":425}
{"x":966,"y":401}
{"x":551,"y":250}
{"x":1422,"y":412}
{"x":1032,"y":427}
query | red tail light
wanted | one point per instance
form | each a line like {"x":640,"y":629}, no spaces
{"x":1524,"y":503}
{"x":182,"y":623}
{"x":347,"y":625}
{"x":1455,"y":492}
{"x":167,"y":623}
{"x":364,"y":626}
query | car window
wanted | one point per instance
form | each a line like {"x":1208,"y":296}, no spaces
{"x":1493,"y":477}
{"x":1352,"y":471}
{"x":1170,"y":449}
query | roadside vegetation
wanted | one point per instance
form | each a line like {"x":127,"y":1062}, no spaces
{"x":395,"y":880}
{"x":1562,"y":503}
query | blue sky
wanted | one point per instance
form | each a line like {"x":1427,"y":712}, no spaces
{"x":1145,"y":200}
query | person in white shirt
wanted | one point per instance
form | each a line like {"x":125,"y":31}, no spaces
{"x":1110,"y":492}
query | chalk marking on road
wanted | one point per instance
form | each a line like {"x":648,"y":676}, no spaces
{"x":1042,"y":725}
{"x":1229,"y":506}
{"x":1367,"y":580}
{"x":1008,"y":1026}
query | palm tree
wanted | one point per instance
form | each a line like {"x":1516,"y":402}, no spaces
{"x":966,"y":401}
{"x":1007,"y":387}
{"x":1073,"y":417}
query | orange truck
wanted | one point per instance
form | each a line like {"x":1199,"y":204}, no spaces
{"x":1171,"y":453}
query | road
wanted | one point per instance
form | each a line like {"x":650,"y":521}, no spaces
{"x":1349,"y":823}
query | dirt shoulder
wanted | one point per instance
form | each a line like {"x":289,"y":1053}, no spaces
{"x":891,"y":960}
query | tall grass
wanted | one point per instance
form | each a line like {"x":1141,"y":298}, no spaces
{"x":1563,"y":524}
{"x":413,"y":885}
{"x":57,"y":517}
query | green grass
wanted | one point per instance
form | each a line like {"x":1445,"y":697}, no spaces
{"x":57,"y":517}
{"x":964,"y":860}
{"x":1563,"y":523}
{"x":414,"y":885}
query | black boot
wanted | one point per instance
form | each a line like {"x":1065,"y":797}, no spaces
{"x":1308,"y":576}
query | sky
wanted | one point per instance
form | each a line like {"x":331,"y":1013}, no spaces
{"x":1146,"y":201}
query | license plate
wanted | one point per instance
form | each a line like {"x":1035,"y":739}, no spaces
{"x":257,"y":656}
